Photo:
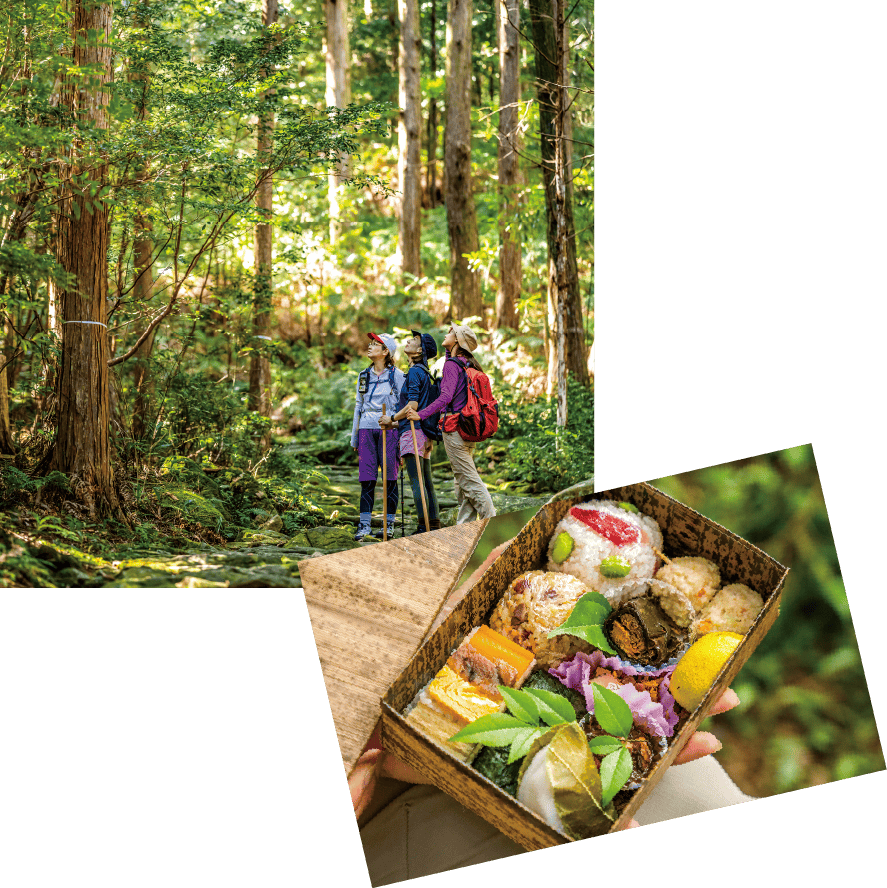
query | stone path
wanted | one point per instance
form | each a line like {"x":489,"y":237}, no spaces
{"x":262,"y":557}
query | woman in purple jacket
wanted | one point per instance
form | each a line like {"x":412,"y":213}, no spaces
{"x":471,"y":493}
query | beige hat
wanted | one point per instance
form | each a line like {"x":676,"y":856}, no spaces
{"x":465,"y":337}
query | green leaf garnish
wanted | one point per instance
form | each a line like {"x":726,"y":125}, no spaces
{"x":604,"y":745}
{"x":495,"y":729}
{"x":615,"y":771}
{"x":520,"y":746}
{"x":553,"y":708}
{"x":520,"y":728}
{"x":585,"y":621}
{"x":520,"y":704}
{"x":612,"y":713}
{"x":592,"y":634}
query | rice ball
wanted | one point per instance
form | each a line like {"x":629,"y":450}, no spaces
{"x":605,"y":545}
{"x":535,"y":603}
{"x":733,"y":609}
{"x":698,"y":578}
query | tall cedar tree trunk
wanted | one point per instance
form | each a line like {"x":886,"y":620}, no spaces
{"x":82,"y":447}
{"x":338,"y":94}
{"x":7,"y":445}
{"x":18,"y":227}
{"x":509,"y":171}
{"x":25,"y":204}
{"x":547,"y":78}
{"x":142,"y":293}
{"x":409,"y":161}
{"x":143,"y":285}
{"x":561,"y":233}
{"x":465,"y":296}
{"x":259,"y":365}
{"x":431,"y":175}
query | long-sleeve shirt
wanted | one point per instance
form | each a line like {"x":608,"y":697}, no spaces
{"x":379,"y":391}
{"x":416,"y":388}
{"x":453,"y":390}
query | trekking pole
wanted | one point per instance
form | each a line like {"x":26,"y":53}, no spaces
{"x":419,"y":473}
{"x":384,"y":485}
{"x":403,"y":526}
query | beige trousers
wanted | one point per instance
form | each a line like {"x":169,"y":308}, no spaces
{"x":424,"y":831}
{"x":471,"y":493}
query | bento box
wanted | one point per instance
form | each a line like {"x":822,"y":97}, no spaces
{"x":684,"y":532}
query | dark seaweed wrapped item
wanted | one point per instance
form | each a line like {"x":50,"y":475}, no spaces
{"x":642,"y":633}
{"x":652,"y":624}
{"x":492,"y":762}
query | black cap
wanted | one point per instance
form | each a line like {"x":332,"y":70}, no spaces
{"x":429,"y":346}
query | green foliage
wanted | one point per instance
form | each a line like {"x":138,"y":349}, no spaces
{"x":540,"y":454}
{"x":13,"y":481}
{"x":189,"y":86}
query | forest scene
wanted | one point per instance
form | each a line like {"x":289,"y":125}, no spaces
{"x":205,"y":208}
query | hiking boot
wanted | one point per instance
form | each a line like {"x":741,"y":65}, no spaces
{"x":363,"y":529}
{"x":390,"y":530}
{"x":435,"y":523}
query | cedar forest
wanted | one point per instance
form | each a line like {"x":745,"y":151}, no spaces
{"x":208,"y":204}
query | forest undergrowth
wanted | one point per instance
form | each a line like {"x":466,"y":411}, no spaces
{"x":213,"y":474}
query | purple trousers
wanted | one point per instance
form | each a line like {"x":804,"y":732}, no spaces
{"x":369,"y":453}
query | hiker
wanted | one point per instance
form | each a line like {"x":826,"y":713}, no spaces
{"x":471,"y":493}
{"x":416,"y":394}
{"x":378,"y":385}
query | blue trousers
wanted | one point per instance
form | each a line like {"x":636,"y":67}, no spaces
{"x":430,"y":497}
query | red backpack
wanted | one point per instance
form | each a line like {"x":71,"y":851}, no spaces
{"x":479,"y":418}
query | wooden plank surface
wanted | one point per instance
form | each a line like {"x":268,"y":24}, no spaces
{"x":370,"y":608}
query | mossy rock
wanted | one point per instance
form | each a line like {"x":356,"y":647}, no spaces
{"x":199,"y":583}
{"x":507,"y":503}
{"x":263,"y":538}
{"x":274,"y":524}
{"x":71,"y":577}
{"x":144,"y":577}
{"x":300,"y":540}
{"x":192,"y":506}
{"x":335,"y":538}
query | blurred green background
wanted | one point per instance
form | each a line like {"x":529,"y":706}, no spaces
{"x":805,"y":716}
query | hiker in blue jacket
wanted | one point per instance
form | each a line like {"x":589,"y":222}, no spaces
{"x":418,"y":391}
{"x":378,"y":385}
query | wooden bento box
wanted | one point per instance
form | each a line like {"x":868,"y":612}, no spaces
{"x":685,"y":532}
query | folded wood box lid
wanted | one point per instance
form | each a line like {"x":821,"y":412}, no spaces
{"x":370,"y":609}
{"x":686,"y":532}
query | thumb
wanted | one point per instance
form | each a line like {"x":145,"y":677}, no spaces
{"x":362,"y":780}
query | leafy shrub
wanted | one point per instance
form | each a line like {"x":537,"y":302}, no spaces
{"x":539,"y":454}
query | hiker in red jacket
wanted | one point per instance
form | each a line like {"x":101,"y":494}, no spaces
{"x":471,"y":492}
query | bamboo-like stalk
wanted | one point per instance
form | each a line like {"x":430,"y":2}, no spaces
{"x":419,"y":473}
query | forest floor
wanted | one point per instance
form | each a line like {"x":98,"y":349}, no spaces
{"x":265,"y":554}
